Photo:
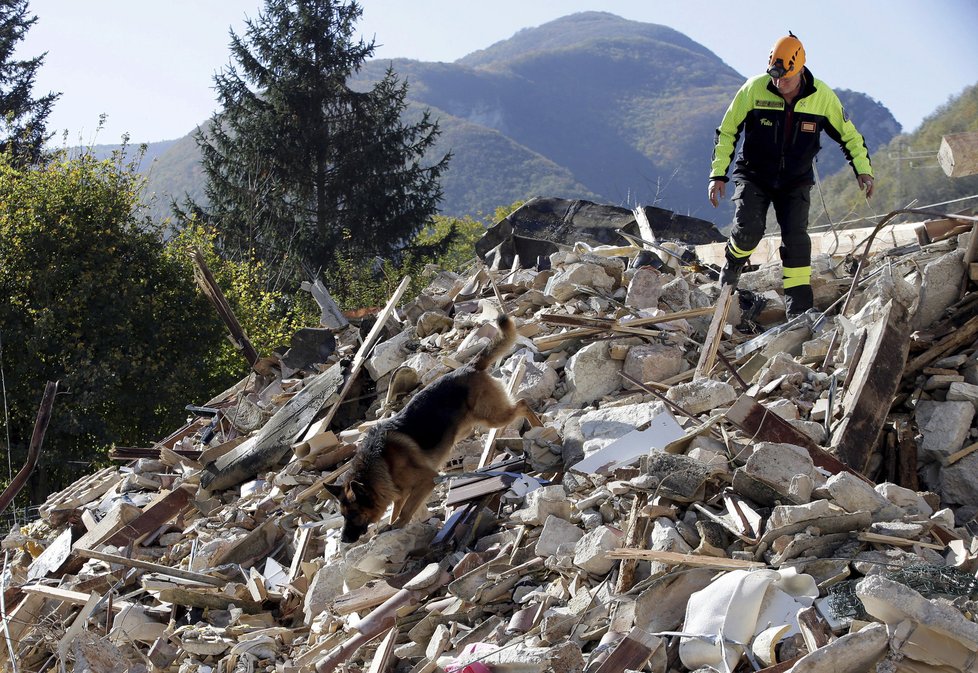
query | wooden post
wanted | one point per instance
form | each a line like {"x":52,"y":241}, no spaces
{"x":210,"y":288}
{"x":714,"y":334}
{"x":34,"y":451}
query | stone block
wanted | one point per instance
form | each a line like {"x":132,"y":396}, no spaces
{"x":556,"y":531}
{"x":963,"y":392}
{"x":698,"y":397}
{"x":653,"y":362}
{"x":544,"y":502}
{"x":909,"y":501}
{"x":645,"y":288}
{"x":855,"y":495}
{"x":943,"y":427}
{"x":776,"y":464}
{"x":568,"y":281}
{"x":591,"y":374}
{"x":590,"y":552}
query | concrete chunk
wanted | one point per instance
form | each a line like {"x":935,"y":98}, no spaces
{"x":943,"y":427}
{"x":542,"y":503}
{"x":590,"y":552}
{"x":556,"y":531}
{"x":698,"y":397}
{"x":892,"y":602}
{"x":653,"y":362}
{"x":852,"y":652}
{"x":591,"y":374}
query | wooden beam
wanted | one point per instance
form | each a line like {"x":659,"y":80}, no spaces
{"x":152,"y":567}
{"x":952,"y":342}
{"x":874,"y":380}
{"x":367,"y":346}
{"x":34,"y":449}
{"x":155,"y":515}
{"x":553,"y":340}
{"x":713,"y":335}
{"x":675,"y":559}
{"x":208,"y":285}
{"x":632,"y":653}
{"x":274,"y":441}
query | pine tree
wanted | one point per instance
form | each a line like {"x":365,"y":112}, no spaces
{"x":23,"y":118}
{"x":299,"y":165}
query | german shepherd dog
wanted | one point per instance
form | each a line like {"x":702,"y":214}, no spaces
{"x":400,"y":457}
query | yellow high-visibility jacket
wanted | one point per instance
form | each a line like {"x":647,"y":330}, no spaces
{"x":780,"y":141}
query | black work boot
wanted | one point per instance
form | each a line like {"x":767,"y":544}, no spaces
{"x":798,"y":300}
{"x":730,"y":273}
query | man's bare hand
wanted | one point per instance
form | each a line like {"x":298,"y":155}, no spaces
{"x":865,"y":183}
{"x":717,"y":190}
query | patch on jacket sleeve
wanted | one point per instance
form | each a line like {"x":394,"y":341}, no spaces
{"x":809,"y":127}
{"x":845,"y":115}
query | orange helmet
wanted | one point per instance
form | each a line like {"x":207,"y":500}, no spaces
{"x":787,"y":57}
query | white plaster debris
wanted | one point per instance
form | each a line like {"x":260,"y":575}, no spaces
{"x":528,"y":573}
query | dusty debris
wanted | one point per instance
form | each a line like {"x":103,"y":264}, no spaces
{"x":804,"y":502}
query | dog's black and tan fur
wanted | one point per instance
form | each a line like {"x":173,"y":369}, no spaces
{"x":400,"y":457}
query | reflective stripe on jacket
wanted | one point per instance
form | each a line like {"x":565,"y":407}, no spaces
{"x":780,"y":141}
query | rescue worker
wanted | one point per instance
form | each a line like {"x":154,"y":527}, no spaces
{"x":781,"y":114}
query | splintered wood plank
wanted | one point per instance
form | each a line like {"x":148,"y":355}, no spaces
{"x":713,"y":335}
{"x":675,"y":558}
{"x":875,"y":379}
{"x":367,"y":346}
{"x":368,"y":596}
{"x":72,"y":597}
{"x":25,"y":616}
{"x":154,"y":515}
{"x":83,"y":491}
{"x":384,"y":652}
{"x":153,"y":567}
{"x":51,"y":558}
{"x":208,"y":285}
{"x":251,"y":547}
{"x":632,"y":653}
{"x":198,"y":598}
{"x":602,"y":325}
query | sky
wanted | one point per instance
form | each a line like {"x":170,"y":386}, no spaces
{"x":148,"y":66}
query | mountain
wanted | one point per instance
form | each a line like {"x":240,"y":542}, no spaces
{"x":587,"y":106}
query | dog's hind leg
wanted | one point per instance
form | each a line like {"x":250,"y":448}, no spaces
{"x":526,"y":412}
{"x":501,"y":417}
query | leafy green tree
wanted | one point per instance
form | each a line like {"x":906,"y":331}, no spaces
{"x":90,"y":297}
{"x":300,"y":167}
{"x":23,"y":118}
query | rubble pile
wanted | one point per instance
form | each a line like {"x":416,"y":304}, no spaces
{"x":808,"y":504}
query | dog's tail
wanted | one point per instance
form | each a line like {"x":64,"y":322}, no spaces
{"x":500,"y":345}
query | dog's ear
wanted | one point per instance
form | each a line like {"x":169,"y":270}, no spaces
{"x":334,"y":490}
